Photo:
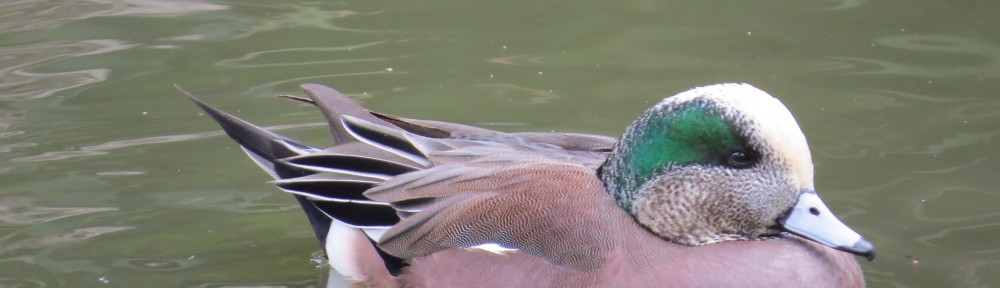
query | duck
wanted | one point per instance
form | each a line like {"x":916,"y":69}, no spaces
{"x":711,"y":187}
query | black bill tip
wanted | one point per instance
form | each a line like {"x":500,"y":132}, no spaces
{"x":861,"y":248}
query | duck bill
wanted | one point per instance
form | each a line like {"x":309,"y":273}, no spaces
{"x":811,"y":219}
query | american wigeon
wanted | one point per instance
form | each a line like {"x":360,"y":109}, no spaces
{"x":712,"y":187}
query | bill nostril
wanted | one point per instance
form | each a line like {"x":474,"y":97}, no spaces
{"x":814,"y":211}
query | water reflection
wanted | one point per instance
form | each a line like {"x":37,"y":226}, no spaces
{"x":150,"y":264}
{"x":536,"y":96}
{"x":937,"y":205}
{"x":301,"y":283}
{"x":103,"y":148}
{"x":314,"y":54}
{"x":17,"y":242}
{"x":11,"y":147}
{"x":25,"y":15}
{"x":18,"y":64}
{"x":119,"y":173}
{"x":983,"y":61}
{"x":301,"y":16}
{"x":21,"y":283}
{"x":913,"y":96}
{"x":271,"y":87}
{"x":530,"y":59}
{"x":19,"y":210}
{"x":978,"y":239}
{"x":846,"y":4}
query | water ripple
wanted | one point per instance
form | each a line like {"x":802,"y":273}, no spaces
{"x":846,"y":4}
{"x":151,"y":264}
{"x":103,"y":148}
{"x":886,"y":67}
{"x":913,"y":96}
{"x":300,"y":17}
{"x":957,"y":141}
{"x":941,"y":43}
{"x":538,"y":96}
{"x":11,"y":147}
{"x":231,"y":203}
{"x":986,"y":65}
{"x":299,"y":283}
{"x":20,"y":283}
{"x":299,"y":52}
{"x":26,"y":15}
{"x":7,"y":244}
{"x":119,"y":173}
{"x":529,"y":59}
{"x":937,"y":206}
{"x":269,"y":87}
{"x":975,"y":238}
{"x":19,"y":211}
{"x":19,"y":82}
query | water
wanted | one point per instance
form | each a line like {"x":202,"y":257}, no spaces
{"x":111,"y":179}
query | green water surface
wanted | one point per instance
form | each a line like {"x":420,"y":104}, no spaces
{"x":109,"y":178}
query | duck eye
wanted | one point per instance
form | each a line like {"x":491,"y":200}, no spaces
{"x":740,"y":159}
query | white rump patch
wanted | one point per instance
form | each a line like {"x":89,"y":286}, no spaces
{"x":341,"y":250}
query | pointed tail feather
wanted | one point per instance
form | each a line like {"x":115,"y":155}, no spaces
{"x":263,"y":145}
{"x":334,"y":105}
{"x":267,"y":148}
{"x":329,"y":184}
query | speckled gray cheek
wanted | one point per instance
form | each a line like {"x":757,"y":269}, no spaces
{"x":772,"y":165}
{"x":698,"y":205}
{"x":762,"y":193}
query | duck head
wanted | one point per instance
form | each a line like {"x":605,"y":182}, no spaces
{"x":719,"y":163}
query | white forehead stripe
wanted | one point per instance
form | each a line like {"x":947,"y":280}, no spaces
{"x":776,"y":125}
